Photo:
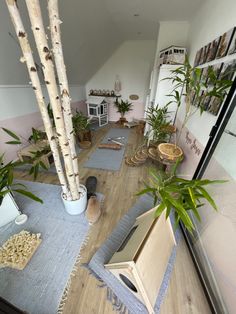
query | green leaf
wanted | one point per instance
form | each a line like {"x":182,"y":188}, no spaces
{"x":43,"y":165}
{"x":208,"y":197}
{"x":12,"y":134}
{"x":160,"y":208}
{"x":193,"y":198}
{"x":13,"y":142}
{"x":145,"y":191}
{"x":29,"y":195}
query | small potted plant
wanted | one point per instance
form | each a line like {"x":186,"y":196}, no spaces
{"x":123,"y":106}
{"x":182,"y":196}
{"x":8,"y":208}
{"x":81,"y":126}
{"x":160,"y":127}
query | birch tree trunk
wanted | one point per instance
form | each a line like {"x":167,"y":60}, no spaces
{"x":63,"y":82}
{"x":28,"y":58}
{"x":50,"y":80}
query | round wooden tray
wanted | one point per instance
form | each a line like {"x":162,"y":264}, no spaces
{"x":170,"y":151}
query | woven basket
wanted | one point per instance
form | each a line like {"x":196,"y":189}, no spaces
{"x":85,"y":144}
{"x":170,"y":151}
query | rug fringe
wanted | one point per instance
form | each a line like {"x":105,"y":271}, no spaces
{"x":72,"y":274}
{"x":117,"y":305}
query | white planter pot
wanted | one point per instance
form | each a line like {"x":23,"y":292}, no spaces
{"x":8,"y":210}
{"x":76,"y":207}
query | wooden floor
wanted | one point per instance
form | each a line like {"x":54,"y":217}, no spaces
{"x":185,"y":294}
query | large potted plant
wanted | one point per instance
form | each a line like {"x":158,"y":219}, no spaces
{"x":123,"y":106}
{"x":172,"y":193}
{"x":60,"y":138}
{"x":81,"y":126}
{"x":8,"y":208}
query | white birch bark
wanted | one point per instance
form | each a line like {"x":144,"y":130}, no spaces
{"x":62,"y":76}
{"x":28,"y":58}
{"x":45,"y":55}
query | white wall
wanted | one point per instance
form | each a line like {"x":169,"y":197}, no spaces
{"x":169,"y":33}
{"x":213,"y":19}
{"x":172,"y":33}
{"x":19,"y":100}
{"x":132,"y":61}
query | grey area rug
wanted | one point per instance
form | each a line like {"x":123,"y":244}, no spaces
{"x":38,"y":288}
{"x":122,"y":299}
{"x":109,"y":159}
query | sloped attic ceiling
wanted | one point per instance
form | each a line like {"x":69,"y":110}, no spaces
{"x":91,"y":31}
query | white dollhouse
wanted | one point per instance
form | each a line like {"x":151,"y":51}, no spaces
{"x":97,"y":107}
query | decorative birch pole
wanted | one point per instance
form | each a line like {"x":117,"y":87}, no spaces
{"x":50,"y":80}
{"x":28,"y":59}
{"x":63,"y":82}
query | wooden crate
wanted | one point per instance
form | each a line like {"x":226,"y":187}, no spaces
{"x":141,"y":261}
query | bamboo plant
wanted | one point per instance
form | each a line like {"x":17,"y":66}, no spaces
{"x":187,"y":82}
{"x":157,"y":119}
{"x":171,"y":192}
{"x":7,"y":184}
{"x":61,"y":139}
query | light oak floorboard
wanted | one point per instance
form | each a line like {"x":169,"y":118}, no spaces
{"x":184,"y":295}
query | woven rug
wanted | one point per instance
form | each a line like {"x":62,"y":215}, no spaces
{"x":108,"y":159}
{"x":123,"y":301}
{"x":41,"y":288}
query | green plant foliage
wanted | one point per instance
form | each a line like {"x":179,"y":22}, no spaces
{"x":50,"y":113}
{"x":180,"y":195}
{"x":187,"y":80}
{"x":36,"y":136}
{"x":80,"y":122}
{"x":7,"y":184}
{"x":16,"y":140}
{"x":35,"y":160}
{"x":123,"y":106}
{"x":157,"y":118}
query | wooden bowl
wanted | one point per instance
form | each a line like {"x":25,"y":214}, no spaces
{"x":85,"y":144}
{"x":170,"y":151}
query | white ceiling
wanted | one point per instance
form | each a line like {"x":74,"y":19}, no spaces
{"x":149,"y":12}
{"x":91,"y":31}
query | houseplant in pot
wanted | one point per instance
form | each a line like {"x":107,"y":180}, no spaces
{"x":8,"y":208}
{"x":181,"y":196}
{"x":160,"y":129}
{"x":123,"y":106}
{"x":60,"y":137}
{"x":191,"y":87}
{"x":81,"y":126}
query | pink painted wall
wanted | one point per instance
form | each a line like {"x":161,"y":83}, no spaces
{"x":80,"y":106}
{"x":21,"y":126}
